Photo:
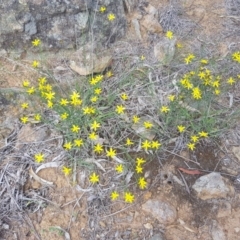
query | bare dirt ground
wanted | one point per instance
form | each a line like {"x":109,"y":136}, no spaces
{"x":62,"y":211}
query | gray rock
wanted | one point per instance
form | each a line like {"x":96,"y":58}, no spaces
{"x":212,"y":186}
{"x":9,"y":23}
{"x":30,"y":28}
{"x":81,"y":20}
{"x":217,"y":232}
{"x":161,"y":210}
{"x":164,"y":50}
{"x":60,"y":24}
{"x":157,"y":237}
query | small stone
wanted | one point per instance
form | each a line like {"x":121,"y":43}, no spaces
{"x":236,"y":151}
{"x":148,"y":226}
{"x":5,"y":226}
{"x":164,"y":50}
{"x":102,"y":224}
{"x":151,"y":24}
{"x":217,"y":231}
{"x":237,"y":230}
{"x":161,"y":210}
{"x":212,"y":186}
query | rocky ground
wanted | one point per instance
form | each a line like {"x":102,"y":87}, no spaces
{"x":191,"y":195}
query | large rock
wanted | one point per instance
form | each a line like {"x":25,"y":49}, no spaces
{"x":212,"y":186}
{"x":164,"y":212}
{"x":87,"y":60}
{"x":61,"y":24}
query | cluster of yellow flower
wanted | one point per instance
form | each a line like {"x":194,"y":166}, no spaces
{"x":110,"y":16}
{"x":82,"y":122}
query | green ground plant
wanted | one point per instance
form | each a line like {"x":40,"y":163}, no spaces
{"x":99,"y":118}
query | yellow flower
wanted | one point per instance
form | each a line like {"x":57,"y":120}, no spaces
{"x":88,"y":110}
{"x":189,"y":58}
{"x":48,"y":88}
{"x":93,"y":81}
{"x":139,"y":169}
{"x":94,"y":99}
{"x":78,"y":142}
{"x":146,"y":144}
{"x":111,"y":153}
{"x":31,"y":90}
{"x":24,"y":119}
{"x":142,"y":183}
{"x":191,"y":146}
{"x":64,"y":102}
{"x":128,"y":197}
{"x":50,"y":104}
{"x":171,"y":97}
{"x":119,"y":168}
{"x":35,"y":64}
{"x":36,"y":42}
{"x":39,"y":157}
{"x":93,"y":136}
{"x":67,"y":145}
{"x":135,"y":119}
{"x":42,"y":80}
{"x":49,"y":95}
{"x":66,"y":170}
{"x":124,"y":96}
{"x":97,"y":91}
{"x":194,"y":138}
{"x":181,"y":128}
{"x":203,"y":134}
{"x":98,"y":148}
{"x":26,"y":83}
{"x":75,"y":98}
{"x":76,"y":102}
{"x":75,"y":128}
{"x":109,"y":74}
{"x":99,"y":78}
{"x":215,"y":83}
{"x":102,"y":9}
{"x":231,"y":81}
{"x":204,"y":61}
{"x":111,"y":17}
{"x":120,"y":109}
{"x":114,"y":195}
{"x":142,"y":58}
{"x":236,"y":57}
{"x":94,"y":178}
{"x":74,"y":95}
{"x":37,"y":117}
{"x":24,"y":105}
{"x":95,"y":125}
{"x":179,"y":45}
{"x":64,"y":116}
{"x":164,"y":109}
{"x":148,"y":124}
{"x":217,"y":91}
{"x":140,"y":161}
{"x":155,"y":144}
{"x":196,"y":93}
{"x":128,"y":142}
{"x":169,"y":34}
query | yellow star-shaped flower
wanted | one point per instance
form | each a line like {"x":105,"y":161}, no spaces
{"x":111,"y":153}
{"x":128,"y":197}
{"x":114,"y":195}
{"x":39,"y":157}
{"x":94,"y":178}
